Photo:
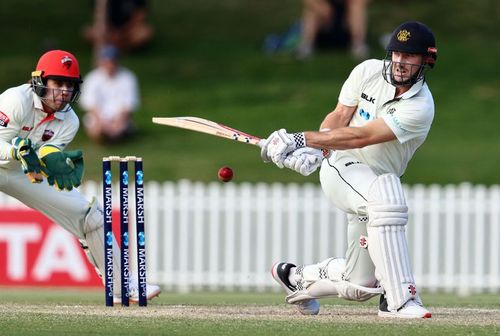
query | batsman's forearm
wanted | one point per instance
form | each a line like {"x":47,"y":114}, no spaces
{"x":337,"y":139}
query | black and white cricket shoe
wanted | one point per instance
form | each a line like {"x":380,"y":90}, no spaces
{"x":280,"y":272}
{"x":411,"y":309}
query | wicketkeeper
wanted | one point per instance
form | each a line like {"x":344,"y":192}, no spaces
{"x":383,"y":115}
{"x":37,"y":122}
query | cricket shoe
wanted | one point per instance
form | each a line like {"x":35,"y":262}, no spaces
{"x":280,"y":272}
{"x":152,"y":291}
{"x":411,"y":309}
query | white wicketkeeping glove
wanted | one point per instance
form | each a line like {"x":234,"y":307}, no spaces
{"x":304,"y":161}
{"x":276,"y":147}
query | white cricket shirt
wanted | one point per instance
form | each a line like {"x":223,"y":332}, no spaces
{"x":408,"y":116}
{"x":21,"y":114}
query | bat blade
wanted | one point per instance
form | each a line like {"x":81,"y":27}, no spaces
{"x":208,"y":127}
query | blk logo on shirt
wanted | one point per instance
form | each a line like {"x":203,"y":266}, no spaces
{"x":367,"y":98}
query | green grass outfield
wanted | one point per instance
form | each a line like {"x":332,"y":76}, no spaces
{"x":68,"y":312}
{"x":206,"y":60}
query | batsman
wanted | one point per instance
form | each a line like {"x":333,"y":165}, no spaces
{"x":384,"y":113}
{"x":37,"y":122}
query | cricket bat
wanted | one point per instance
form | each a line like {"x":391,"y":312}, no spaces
{"x":209,"y":127}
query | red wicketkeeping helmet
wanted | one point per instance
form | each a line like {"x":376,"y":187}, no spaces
{"x":59,"y":64}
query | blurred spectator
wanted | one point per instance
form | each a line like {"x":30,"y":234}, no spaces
{"x":325,"y":24}
{"x":119,"y":22}
{"x":110,"y":94}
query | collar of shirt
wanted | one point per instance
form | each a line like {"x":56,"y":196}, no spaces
{"x":413,"y":90}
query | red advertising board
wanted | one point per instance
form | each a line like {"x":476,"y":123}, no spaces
{"x":34,"y":251}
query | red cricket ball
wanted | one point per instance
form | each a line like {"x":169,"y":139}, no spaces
{"x":225,"y":174}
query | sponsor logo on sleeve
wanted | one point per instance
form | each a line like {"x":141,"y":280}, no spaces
{"x":364,"y":114}
{"x":4,"y":119}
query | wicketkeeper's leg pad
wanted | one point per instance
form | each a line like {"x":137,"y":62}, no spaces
{"x":388,"y":248}
{"x":94,"y":237}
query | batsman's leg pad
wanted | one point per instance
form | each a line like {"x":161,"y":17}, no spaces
{"x":330,"y":269}
{"x":343,"y":289}
{"x":388,"y":248}
{"x":94,"y":237}
{"x":326,"y":279}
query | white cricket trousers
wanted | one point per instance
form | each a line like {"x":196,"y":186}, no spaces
{"x":346,"y":181}
{"x":66,"y":208}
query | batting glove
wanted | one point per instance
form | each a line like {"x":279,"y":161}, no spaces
{"x":280,"y":143}
{"x":304,"y":161}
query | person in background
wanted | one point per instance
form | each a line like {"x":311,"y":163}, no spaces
{"x":110,"y":94}
{"x":325,"y":24}
{"x":331,"y":23}
{"x":121,"y":23}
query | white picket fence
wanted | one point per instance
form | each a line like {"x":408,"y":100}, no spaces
{"x":226,"y":236}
